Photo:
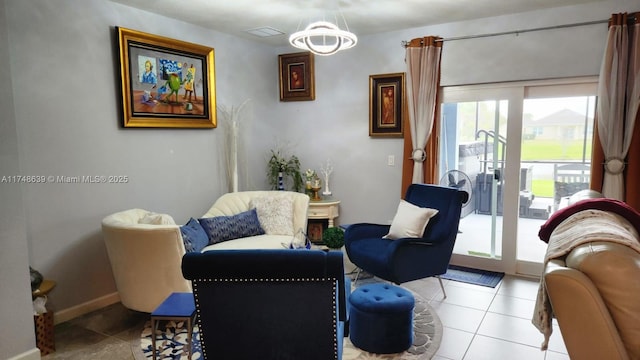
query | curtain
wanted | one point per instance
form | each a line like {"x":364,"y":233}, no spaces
{"x":423,"y":80}
{"x":618,"y":102}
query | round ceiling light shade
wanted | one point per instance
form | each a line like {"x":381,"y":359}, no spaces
{"x":323,"y":38}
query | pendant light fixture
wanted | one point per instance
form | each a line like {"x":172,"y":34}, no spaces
{"x":324,"y":38}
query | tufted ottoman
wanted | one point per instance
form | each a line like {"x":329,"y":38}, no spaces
{"x":381,"y":318}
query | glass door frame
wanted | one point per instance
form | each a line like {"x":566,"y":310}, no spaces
{"x":514,"y":93}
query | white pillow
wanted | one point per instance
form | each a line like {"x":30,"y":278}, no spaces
{"x":275,"y":214}
{"x":157,"y":219}
{"x":410,"y":221}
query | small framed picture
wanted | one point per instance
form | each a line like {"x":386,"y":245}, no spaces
{"x":315,"y":229}
{"x":386,"y":105}
{"x":297,"y":79}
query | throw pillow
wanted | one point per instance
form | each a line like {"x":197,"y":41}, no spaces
{"x":194,"y":236}
{"x":223,"y":228}
{"x":275,"y":214}
{"x":157,"y":219}
{"x":410,"y":221}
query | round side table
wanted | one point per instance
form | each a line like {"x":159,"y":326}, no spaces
{"x":44,"y":288}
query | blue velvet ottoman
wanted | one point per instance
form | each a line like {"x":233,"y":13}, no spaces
{"x":381,"y":318}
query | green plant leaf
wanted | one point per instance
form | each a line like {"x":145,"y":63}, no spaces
{"x":333,"y":237}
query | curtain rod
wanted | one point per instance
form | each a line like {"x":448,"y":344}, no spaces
{"x":405,"y":43}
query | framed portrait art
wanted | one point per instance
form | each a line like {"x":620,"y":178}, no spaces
{"x":315,"y":229}
{"x":386,"y":105}
{"x":297,"y":78}
{"x":166,"y":82}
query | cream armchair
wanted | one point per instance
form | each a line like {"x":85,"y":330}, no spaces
{"x":145,"y":258}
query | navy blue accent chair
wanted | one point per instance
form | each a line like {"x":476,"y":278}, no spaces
{"x":269,"y":304}
{"x":407,"y":259}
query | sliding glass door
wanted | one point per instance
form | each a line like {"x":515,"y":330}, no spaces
{"x":473,"y":151}
{"x":555,"y":157}
{"x":492,"y":147}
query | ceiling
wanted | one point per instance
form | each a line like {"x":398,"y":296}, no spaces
{"x":363,"y":17}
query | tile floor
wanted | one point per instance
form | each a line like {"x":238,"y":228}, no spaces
{"x":489,"y":323}
{"x":479,"y":323}
{"x":104,"y":334}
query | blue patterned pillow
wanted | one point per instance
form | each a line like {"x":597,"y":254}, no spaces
{"x":223,"y":228}
{"x":194,"y":236}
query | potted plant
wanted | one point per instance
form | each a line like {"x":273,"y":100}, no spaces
{"x":279,"y":167}
{"x":333,"y":237}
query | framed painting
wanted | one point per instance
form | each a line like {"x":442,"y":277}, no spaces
{"x":297,"y":78}
{"x":386,"y":105}
{"x":315,"y":229}
{"x":166,"y":83}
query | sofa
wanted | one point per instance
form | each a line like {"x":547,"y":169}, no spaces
{"x":231,"y":204}
{"x":269,"y":304}
{"x":591,"y":278}
{"x":146,"y":248}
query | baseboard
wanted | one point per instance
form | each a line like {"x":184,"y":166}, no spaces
{"x":33,"y":354}
{"x":85,"y":308}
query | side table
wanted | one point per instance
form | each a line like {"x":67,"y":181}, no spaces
{"x":180,"y":307}
{"x":324,"y":210}
{"x":44,"y":289}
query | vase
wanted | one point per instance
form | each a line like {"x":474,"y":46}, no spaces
{"x":280,"y":181}
{"x":326,"y":191}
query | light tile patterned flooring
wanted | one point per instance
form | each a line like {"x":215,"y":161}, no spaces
{"x":489,"y":323}
{"x":479,"y":323}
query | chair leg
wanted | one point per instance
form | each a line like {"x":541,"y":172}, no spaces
{"x":355,"y":281}
{"x":442,"y":286}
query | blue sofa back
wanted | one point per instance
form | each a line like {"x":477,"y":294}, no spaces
{"x":268,"y":304}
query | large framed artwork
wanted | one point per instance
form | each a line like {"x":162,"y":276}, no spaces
{"x":166,"y":82}
{"x":297,"y":78}
{"x":386,"y":105}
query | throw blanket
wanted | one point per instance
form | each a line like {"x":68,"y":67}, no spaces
{"x":604,"y":204}
{"x":579,"y":224}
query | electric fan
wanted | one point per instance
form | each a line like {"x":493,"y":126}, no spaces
{"x":459,"y":180}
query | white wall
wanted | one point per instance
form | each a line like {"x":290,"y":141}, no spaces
{"x":64,"y":75}
{"x":15,"y":296}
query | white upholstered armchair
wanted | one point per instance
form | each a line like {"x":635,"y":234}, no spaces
{"x":145,"y":257}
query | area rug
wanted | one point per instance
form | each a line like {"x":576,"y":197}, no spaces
{"x":172,"y":336}
{"x":473,"y":276}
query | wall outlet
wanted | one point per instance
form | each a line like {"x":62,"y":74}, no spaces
{"x":391,"y":160}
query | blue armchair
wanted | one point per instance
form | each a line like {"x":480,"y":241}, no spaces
{"x":407,"y":259}
{"x":269,"y":304}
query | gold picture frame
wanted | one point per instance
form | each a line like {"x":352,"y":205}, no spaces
{"x":297,"y":77}
{"x":166,"y":83}
{"x":386,"y":104}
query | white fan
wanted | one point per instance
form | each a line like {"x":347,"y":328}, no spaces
{"x":459,"y":180}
